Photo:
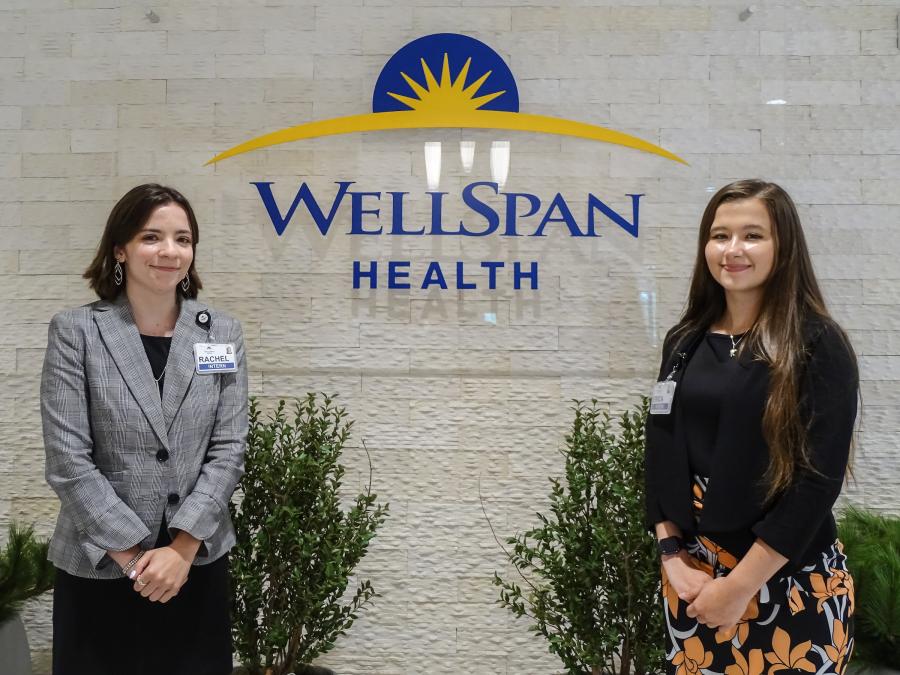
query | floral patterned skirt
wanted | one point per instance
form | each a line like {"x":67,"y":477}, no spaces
{"x":796,"y":624}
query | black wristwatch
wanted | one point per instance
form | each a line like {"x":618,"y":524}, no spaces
{"x":670,"y":545}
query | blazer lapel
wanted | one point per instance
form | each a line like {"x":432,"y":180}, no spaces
{"x":123,"y":341}
{"x":180,"y":366}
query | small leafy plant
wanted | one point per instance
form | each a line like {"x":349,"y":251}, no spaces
{"x":297,"y":543}
{"x":872,"y":545}
{"x":25,"y":571}
{"x":590,"y":571}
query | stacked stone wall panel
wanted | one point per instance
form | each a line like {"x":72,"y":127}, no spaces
{"x":459,"y":395}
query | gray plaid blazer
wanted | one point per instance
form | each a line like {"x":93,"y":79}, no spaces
{"x":118,"y":457}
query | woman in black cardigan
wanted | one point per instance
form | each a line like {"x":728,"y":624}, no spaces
{"x":748,"y":442}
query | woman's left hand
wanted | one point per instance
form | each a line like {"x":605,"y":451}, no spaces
{"x":161,"y":573}
{"x":720,"y":604}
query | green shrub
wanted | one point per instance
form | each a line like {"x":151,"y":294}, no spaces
{"x":25,"y":571}
{"x":297,"y":545}
{"x":872,"y":545}
{"x":590,"y":572}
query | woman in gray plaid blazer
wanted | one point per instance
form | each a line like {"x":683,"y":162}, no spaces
{"x":144,"y":452}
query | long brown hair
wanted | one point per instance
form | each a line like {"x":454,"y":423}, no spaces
{"x":791,"y":296}
{"x":126,"y":219}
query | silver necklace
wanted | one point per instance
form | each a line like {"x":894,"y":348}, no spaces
{"x":734,"y":344}
{"x":157,"y":379}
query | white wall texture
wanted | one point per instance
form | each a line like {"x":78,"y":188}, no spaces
{"x":95,"y":98}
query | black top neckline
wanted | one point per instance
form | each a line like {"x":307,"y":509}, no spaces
{"x":157,"y":349}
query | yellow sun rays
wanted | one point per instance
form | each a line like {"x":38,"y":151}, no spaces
{"x":448,"y":95}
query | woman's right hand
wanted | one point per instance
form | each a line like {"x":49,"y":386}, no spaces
{"x":685,"y":579}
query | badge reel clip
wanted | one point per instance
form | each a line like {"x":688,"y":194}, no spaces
{"x":664,"y":392}
{"x":203,"y":320}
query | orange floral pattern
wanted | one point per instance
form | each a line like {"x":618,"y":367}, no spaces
{"x":840,"y":650}
{"x":783,"y":656}
{"x":692,"y":658}
{"x":837,"y":583}
{"x":795,"y":601}
{"x":720,"y":556}
{"x":697,"y":501}
{"x":751,"y":665}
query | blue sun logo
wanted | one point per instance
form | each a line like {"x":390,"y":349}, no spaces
{"x":446,"y":80}
{"x":472,"y":77}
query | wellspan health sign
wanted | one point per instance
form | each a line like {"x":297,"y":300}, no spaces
{"x":446,"y":80}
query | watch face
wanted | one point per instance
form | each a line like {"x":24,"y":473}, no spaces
{"x":669,"y":545}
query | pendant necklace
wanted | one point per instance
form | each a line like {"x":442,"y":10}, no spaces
{"x":734,"y":344}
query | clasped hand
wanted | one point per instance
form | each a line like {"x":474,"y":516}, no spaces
{"x":719,"y":604}
{"x":713,"y":602}
{"x":686,"y":580}
{"x":160,"y":574}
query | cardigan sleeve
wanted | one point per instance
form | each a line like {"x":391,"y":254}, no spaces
{"x":652,"y":512}
{"x":829,"y":389}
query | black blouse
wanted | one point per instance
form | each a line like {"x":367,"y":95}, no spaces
{"x":798,"y":522}
{"x":157,"y":349}
{"x":707,"y":379}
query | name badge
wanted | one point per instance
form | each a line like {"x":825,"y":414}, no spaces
{"x":662,"y":397}
{"x":211,"y":358}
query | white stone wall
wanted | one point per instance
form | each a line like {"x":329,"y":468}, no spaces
{"x":451,"y":390}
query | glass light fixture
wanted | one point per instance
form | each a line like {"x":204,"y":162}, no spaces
{"x":433,"y":164}
{"x":467,"y":155}
{"x":500,"y":162}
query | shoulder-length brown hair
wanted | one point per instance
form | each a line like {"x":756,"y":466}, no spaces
{"x":791,"y":298}
{"x":126,"y":219}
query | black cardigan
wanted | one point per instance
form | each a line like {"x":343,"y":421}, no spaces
{"x":797,"y":523}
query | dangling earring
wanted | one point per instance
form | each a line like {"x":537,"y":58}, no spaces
{"x":186,"y":283}
{"x":118,"y":275}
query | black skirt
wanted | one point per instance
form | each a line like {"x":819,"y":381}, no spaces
{"x":104,"y":627}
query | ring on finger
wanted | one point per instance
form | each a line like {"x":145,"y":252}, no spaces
{"x":141,"y":582}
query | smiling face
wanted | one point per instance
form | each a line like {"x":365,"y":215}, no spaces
{"x":740,"y":250}
{"x":159,"y":256}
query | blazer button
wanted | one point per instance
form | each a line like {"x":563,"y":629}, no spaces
{"x":174,"y":498}
{"x":162,"y":455}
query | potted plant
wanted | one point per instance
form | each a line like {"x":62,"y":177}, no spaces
{"x":872,"y":545}
{"x":299,"y":538}
{"x":589,"y":572}
{"x":25,"y":573}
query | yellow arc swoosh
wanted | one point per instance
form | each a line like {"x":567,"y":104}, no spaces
{"x":477,"y":119}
